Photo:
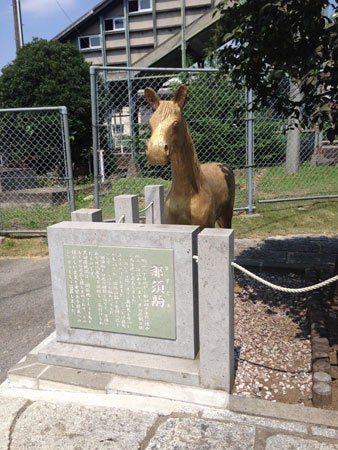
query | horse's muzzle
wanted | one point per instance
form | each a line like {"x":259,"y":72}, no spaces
{"x":158,"y":155}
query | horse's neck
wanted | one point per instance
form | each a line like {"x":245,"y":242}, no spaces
{"x":185,"y":168}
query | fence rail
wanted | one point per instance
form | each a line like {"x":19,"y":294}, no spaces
{"x":257,"y":144}
{"x":36,"y":182}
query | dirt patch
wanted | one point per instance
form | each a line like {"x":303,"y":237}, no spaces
{"x":29,"y":247}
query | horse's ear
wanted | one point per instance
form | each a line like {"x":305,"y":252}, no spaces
{"x":180,"y":96}
{"x":152,"y":98}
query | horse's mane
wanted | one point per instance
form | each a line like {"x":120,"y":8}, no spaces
{"x":168,"y":108}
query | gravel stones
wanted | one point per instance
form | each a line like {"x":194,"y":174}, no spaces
{"x":272,"y":343}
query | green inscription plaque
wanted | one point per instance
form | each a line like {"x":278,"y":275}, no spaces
{"x":121,"y":289}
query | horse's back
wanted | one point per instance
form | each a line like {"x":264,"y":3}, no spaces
{"x":220,"y":179}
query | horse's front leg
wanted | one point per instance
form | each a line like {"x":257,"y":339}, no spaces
{"x":202,"y":210}
{"x":177,"y":210}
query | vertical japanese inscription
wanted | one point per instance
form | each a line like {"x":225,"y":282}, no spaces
{"x":121,"y":289}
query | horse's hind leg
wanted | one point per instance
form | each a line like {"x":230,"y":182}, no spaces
{"x":225,"y":219}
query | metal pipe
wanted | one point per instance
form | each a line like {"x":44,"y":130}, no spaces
{"x":103,"y":46}
{"x":38,"y":108}
{"x":250,"y":151}
{"x":128,"y":57}
{"x":94,"y":106}
{"x":70,"y":184}
{"x":153,"y":69}
{"x":292,"y":199}
{"x":32,"y":232}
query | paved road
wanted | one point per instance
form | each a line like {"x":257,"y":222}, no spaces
{"x":26,"y":308}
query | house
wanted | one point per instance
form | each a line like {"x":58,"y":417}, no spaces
{"x":139,"y":33}
{"x":143,"y":33}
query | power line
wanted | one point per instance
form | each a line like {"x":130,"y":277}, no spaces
{"x":66,"y":15}
{"x":64,"y":12}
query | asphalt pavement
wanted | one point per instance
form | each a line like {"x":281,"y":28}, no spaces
{"x":26,"y":308}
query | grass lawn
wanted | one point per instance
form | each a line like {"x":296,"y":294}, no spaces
{"x":301,"y":217}
{"x":307,"y":217}
{"x":297,"y":217}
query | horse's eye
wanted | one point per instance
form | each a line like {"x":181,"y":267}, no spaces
{"x":176,"y":123}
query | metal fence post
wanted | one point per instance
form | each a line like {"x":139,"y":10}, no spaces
{"x":95,"y":105}
{"x":250,"y":151}
{"x":69,"y":174}
{"x":35,"y":166}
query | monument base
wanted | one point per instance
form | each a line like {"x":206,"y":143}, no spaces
{"x":120,"y":362}
{"x":53,"y":367}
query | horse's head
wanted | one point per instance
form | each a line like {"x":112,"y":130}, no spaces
{"x":166,"y":123}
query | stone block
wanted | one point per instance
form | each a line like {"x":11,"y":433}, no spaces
{"x":196,"y":433}
{"x":67,"y":376}
{"x":216,"y":308}
{"x":9,"y":410}
{"x":126,"y":209}
{"x":287,"y":441}
{"x":170,"y":391}
{"x":299,"y":259}
{"x":180,"y":240}
{"x":154,"y":195}
{"x":25,"y":375}
{"x":87,"y":215}
{"x":72,"y":426}
{"x":121,"y":362}
{"x":294,"y":243}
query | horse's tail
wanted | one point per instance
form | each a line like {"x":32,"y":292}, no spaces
{"x":229,"y":177}
{"x":225,"y":220}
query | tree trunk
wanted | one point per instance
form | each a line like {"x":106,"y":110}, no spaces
{"x":293,"y":133}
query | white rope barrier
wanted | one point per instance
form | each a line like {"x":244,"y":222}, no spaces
{"x":147,"y":207}
{"x":281,"y":288}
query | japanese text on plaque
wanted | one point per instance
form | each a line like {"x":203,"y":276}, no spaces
{"x":121,"y":289}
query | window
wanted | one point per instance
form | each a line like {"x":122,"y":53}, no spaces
{"x":114,"y":24}
{"x":139,"y":5}
{"x":118,"y":129}
{"x":86,"y":42}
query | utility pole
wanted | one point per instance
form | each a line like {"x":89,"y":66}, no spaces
{"x":17,"y":24}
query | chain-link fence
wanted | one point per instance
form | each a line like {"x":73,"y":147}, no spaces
{"x":36,"y":184}
{"x":270,"y":158}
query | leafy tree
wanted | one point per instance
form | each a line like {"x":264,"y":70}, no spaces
{"x":269,"y":41}
{"x":215,"y":112}
{"x":48,"y":73}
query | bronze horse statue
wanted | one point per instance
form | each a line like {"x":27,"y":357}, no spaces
{"x":200,"y":194}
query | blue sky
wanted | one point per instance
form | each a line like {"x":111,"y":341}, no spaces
{"x":40,"y":18}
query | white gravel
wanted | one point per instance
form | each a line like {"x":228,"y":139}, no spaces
{"x":273,"y":349}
